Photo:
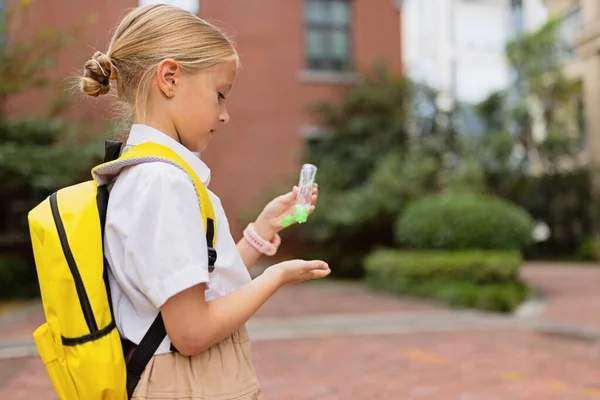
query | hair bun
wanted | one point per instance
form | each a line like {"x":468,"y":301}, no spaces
{"x":98,"y":72}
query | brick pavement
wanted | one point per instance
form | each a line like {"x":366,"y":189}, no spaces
{"x":322,"y":298}
{"x":500,"y":365}
{"x":27,"y":380}
{"x":24,"y":325}
{"x":448,"y":366}
{"x":572,"y":292}
{"x":465,"y":365}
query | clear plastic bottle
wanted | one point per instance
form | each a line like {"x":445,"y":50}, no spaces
{"x":305,"y":186}
{"x":303,"y":200}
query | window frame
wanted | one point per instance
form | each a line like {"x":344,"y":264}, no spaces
{"x":327,"y":29}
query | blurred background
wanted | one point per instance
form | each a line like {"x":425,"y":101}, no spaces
{"x":458,"y":147}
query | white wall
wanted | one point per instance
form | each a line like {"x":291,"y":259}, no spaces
{"x":458,"y":45}
{"x":420,"y":40}
{"x":481,"y":31}
{"x":536,"y":14}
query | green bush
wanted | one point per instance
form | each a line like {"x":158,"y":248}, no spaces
{"x":476,"y":266}
{"x":40,"y":155}
{"x":566,"y":201}
{"x":464,"y":221}
{"x":383,"y":150}
{"x":480,"y":279}
{"x":18,"y":278}
{"x":589,"y":250}
{"x":37,"y":157}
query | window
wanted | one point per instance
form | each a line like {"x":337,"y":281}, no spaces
{"x":327,"y":35}
{"x":190,"y":5}
{"x":570,"y":25}
{"x":516,"y":16}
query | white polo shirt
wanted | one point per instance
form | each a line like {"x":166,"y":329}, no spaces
{"x":155,"y":242}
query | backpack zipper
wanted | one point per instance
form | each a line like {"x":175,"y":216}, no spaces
{"x":86,"y":308}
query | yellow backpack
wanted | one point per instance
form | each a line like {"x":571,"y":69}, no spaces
{"x":79,"y":343}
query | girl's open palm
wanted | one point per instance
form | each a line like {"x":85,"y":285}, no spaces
{"x":294,"y":271}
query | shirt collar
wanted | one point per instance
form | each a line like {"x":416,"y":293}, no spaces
{"x":143,"y":133}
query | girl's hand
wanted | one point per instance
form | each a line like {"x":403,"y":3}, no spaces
{"x":268,"y":222}
{"x":298,"y":271}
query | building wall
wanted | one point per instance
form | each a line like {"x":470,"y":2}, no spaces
{"x":585,"y":65}
{"x":559,"y":7}
{"x":93,"y":22}
{"x":262,"y":145}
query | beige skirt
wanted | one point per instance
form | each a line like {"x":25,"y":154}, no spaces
{"x":223,"y":372}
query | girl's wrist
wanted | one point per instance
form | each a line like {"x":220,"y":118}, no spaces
{"x":259,"y":242}
{"x":264,"y":230}
{"x":274,"y":275}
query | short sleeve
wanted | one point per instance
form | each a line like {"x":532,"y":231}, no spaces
{"x":166,"y":251}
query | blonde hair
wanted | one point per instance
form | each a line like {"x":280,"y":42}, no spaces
{"x":144,"y":38}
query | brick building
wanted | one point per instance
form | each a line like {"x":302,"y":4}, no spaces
{"x":291,"y":54}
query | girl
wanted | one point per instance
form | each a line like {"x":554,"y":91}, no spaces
{"x":174,"y":72}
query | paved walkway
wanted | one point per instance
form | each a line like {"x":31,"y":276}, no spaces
{"x":571,"y":298}
{"x":339,"y":341}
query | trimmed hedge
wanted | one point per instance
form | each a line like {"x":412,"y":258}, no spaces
{"x":480,"y":279}
{"x":465,"y":221}
{"x":476,"y":266}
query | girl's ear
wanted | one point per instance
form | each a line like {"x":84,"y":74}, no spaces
{"x":167,"y":74}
